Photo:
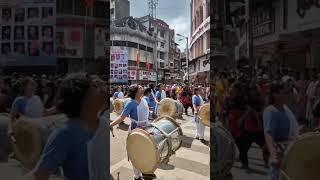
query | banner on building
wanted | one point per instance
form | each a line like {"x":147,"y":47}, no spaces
{"x":101,"y":42}
{"x":144,"y":75}
{"x":153,"y":76}
{"x":132,"y":75}
{"x":302,"y":15}
{"x":27,"y":33}
{"x":69,"y":42}
{"x":118,"y":66}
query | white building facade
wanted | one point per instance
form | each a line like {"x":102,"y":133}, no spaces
{"x":128,"y":34}
{"x":199,"y":56}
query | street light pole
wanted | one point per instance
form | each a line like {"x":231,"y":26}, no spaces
{"x":187,"y":59}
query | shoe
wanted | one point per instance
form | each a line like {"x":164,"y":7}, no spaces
{"x":197,"y":138}
{"x":153,"y":176}
{"x":138,"y":178}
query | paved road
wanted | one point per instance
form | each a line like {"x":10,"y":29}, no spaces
{"x":12,"y":170}
{"x":258,"y":172}
{"x":191,"y":162}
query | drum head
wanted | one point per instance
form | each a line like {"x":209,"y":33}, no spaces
{"x":28,"y":144}
{"x":169,"y":119}
{"x":118,"y":106}
{"x":167,"y":107}
{"x":301,"y":160}
{"x":142,"y":151}
{"x":204,"y":114}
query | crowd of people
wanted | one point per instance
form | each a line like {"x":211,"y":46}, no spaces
{"x":141,"y":108}
{"x":266,"y":108}
{"x":183,"y":93}
{"x":80,"y":142}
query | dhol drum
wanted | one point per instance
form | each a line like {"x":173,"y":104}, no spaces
{"x":4,"y":138}
{"x":149,"y":147}
{"x":224,"y":151}
{"x":301,"y":159}
{"x":30,"y":136}
{"x":170,"y":107}
{"x":118,"y":105}
{"x":204,"y":114}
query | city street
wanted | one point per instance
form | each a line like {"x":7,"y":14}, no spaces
{"x":256,"y":164}
{"x":191,"y":161}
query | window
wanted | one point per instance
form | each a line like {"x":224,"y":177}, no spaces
{"x":201,"y":14}
{"x":162,"y":45}
{"x":162,"y":34}
{"x":112,"y":12}
{"x":149,"y":49}
{"x":142,"y":47}
{"x":119,"y":43}
{"x":65,"y":7}
{"x":171,"y":64}
{"x":132,"y":44}
{"x":80,"y":9}
{"x":162,"y":54}
{"x":161,"y":65}
{"x":132,"y":63}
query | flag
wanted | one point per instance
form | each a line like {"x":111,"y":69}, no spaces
{"x":148,"y":66}
{"x":138,"y":57}
{"x":89,"y":3}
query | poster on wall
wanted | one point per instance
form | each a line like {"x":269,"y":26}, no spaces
{"x":143,"y":75}
{"x":27,"y":33}
{"x":101,"y":42}
{"x":118,"y":66}
{"x":153,"y":76}
{"x":132,"y":75}
{"x":69,"y":42}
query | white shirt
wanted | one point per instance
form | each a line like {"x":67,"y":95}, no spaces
{"x":120,"y":95}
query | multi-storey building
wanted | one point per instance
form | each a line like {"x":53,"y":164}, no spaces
{"x":67,"y":36}
{"x":161,"y":31}
{"x":130,"y":35}
{"x":280,"y":33}
{"x":199,"y":65}
{"x":119,"y":9}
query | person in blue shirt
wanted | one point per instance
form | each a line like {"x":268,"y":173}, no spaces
{"x":130,"y":110}
{"x":80,"y":98}
{"x":118,"y":94}
{"x":280,"y":127}
{"x":152,"y":99}
{"x":197,"y":102}
{"x":159,"y":95}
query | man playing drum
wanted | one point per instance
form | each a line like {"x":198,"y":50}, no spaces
{"x":197,"y":101}
{"x":137,"y":110}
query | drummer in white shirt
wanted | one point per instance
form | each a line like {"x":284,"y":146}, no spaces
{"x":137,"y":110}
{"x":197,"y":102}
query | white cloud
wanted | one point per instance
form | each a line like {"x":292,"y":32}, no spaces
{"x":181,"y":25}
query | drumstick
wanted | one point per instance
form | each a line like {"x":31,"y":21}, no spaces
{"x":118,"y":176}
{"x":111,"y":130}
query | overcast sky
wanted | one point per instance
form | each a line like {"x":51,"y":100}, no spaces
{"x":174,"y":12}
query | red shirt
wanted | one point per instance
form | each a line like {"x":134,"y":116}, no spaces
{"x":234,"y":127}
{"x":251,"y":123}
